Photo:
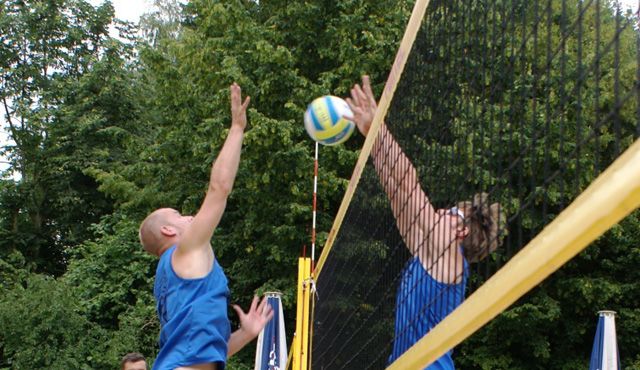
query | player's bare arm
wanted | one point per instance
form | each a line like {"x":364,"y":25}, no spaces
{"x":194,"y":256}
{"x":410,"y":204}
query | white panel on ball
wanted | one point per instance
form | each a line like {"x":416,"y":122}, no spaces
{"x":325,"y":120}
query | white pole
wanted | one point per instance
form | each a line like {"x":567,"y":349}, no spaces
{"x":313,"y":226}
{"x":610,"y":345}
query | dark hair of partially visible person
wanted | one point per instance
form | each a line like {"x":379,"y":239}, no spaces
{"x":487,"y":227}
{"x":131,"y":357}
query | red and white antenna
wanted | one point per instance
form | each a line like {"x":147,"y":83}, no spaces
{"x":313,"y":225}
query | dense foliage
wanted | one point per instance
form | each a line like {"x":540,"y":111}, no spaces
{"x":106,"y":129}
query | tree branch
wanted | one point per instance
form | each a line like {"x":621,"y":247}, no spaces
{"x":12,"y":126}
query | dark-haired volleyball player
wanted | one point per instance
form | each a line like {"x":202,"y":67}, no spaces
{"x":442,"y":241}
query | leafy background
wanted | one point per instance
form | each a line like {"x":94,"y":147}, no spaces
{"x":107,"y":129}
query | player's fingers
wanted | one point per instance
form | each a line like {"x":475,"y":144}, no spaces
{"x":235,"y":93}
{"x":354,"y":96}
{"x":238,"y":310}
{"x":349,"y":102}
{"x":362,"y":97}
{"x":267,"y":308}
{"x":357,"y":111}
{"x":269,"y":316}
{"x":354,"y":107}
{"x":254,"y":303}
{"x":263,"y":303}
{"x":366,"y":83}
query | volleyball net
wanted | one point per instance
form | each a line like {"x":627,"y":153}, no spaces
{"x":505,"y":142}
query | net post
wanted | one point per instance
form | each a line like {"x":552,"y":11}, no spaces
{"x":296,"y":336}
{"x":301,"y":336}
{"x":306,"y":299}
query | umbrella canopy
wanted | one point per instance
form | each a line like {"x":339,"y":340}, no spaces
{"x":271,"y":351}
{"x":604,"y":355}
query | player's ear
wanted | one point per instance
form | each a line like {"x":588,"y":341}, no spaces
{"x":168,"y":231}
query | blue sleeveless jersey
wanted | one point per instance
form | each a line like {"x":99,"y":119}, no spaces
{"x":421,"y":303}
{"x":195,"y":328}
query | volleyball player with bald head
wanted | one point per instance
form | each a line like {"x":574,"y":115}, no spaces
{"x":190,"y":287}
{"x":441,"y":241}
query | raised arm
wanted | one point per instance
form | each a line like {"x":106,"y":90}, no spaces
{"x":414,"y":214}
{"x":197,"y":236}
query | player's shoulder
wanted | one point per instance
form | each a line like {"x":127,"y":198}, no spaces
{"x":192,"y":263}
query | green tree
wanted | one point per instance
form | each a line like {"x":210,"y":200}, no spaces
{"x":105,"y":133}
{"x":47,"y":46}
{"x":43,"y":328}
{"x":185,"y":71}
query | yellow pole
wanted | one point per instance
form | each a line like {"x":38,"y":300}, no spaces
{"x":306,"y":289}
{"x":296,"y":336}
{"x":300,"y":346}
{"x":611,"y":197}
{"x":312,"y":303}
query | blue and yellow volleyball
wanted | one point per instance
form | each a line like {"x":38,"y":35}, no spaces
{"x":325,"y":120}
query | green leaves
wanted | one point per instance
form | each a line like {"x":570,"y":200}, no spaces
{"x":105,"y":133}
{"x":43,"y":327}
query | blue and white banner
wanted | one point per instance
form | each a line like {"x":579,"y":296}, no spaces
{"x":271,"y":353}
{"x":604,"y":355}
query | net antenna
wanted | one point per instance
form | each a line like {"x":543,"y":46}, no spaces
{"x":315,"y":200}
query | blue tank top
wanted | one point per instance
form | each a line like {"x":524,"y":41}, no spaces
{"x":421,"y":303}
{"x":195,"y":328}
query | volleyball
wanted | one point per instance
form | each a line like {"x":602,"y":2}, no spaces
{"x":325,"y":120}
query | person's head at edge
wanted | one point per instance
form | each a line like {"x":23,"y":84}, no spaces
{"x":133,"y":361}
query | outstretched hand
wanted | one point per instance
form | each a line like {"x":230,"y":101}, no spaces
{"x":238,"y":108}
{"x":363,"y":105}
{"x":254,"y":320}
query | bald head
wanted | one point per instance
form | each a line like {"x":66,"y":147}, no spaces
{"x":151,"y":236}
